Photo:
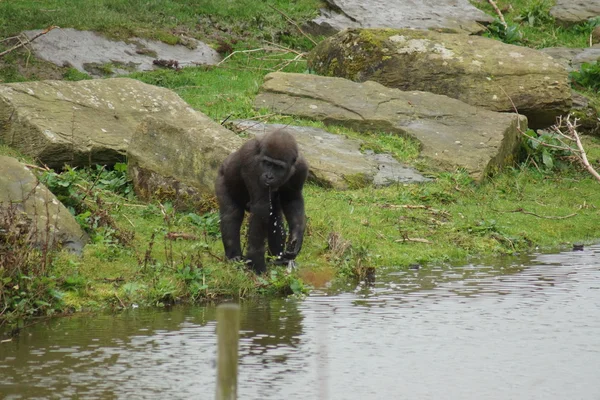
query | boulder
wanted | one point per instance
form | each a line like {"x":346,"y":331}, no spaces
{"x":452,"y":134}
{"x":569,"y":12}
{"x":52,"y":223}
{"x":177,"y":159}
{"x":445,"y":15}
{"x":99,"y":56}
{"x":336,"y":161}
{"x":80,"y":123}
{"x":476,"y":70}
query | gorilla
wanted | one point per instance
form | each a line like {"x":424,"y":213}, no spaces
{"x":265,"y":177}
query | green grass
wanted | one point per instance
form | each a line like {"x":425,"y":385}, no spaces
{"x":164,"y":20}
{"x":131,"y":261}
{"x":533,"y":26}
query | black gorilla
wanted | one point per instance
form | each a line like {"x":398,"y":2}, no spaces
{"x":265,"y":177}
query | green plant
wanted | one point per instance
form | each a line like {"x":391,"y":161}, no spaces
{"x":510,"y":33}
{"x":208,"y":222}
{"x":536,"y":13}
{"x":588,"y":76}
{"x":546,"y":149}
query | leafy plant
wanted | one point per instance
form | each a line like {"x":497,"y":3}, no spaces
{"x":209,"y":222}
{"x":536,"y":13}
{"x":508,"y":34}
{"x":540,"y":148}
{"x":587,"y":77}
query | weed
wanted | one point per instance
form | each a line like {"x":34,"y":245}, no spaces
{"x":588,"y":76}
{"x":27,"y":288}
{"x":539,"y":148}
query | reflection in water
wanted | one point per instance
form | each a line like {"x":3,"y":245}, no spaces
{"x":474,"y":332}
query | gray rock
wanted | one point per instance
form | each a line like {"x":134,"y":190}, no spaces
{"x":336,"y":161}
{"x":572,"y":58}
{"x":452,"y":134}
{"x":177,"y":159}
{"x":446,"y":15}
{"x":476,"y":70}
{"x":88,"y":52}
{"x":80,"y":123}
{"x":52,"y":222}
{"x":575,"y":11}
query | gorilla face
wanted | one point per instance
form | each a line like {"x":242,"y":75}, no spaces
{"x":274,"y":173}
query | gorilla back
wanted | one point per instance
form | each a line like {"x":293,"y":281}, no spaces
{"x":265,"y":177}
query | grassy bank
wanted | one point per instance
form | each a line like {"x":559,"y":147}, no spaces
{"x":144,"y":254}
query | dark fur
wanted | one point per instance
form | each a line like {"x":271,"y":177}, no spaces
{"x":269,"y":164}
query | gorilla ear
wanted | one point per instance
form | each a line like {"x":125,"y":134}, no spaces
{"x":294,"y":161}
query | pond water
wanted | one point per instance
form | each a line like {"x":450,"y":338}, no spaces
{"x":526,"y":329}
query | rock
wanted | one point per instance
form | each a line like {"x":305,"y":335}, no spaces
{"x":97,"y":55}
{"x":476,"y":70}
{"x":336,"y":161}
{"x":596,"y":35}
{"x":589,"y":55}
{"x":80,"y":123}
{"x":52,"y":221}
{"x":572,"y":57}
{"x":571,"y":12}
{"x":178,"y":159}
{"x":445,"y":15}
{"x":452,"y":134}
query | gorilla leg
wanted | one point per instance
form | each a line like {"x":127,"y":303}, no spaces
{"x":293,"y":208}
{"x":257,"y":235}
{"x":232,"y":216}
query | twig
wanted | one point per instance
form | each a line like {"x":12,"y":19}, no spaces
{"x":93,"y":184}
{"x":181,"y":235}
{"x":128,"y":220}
{"x":240,"y":51}
{"x":522,"y":211}
{"x":26,"y":42}
{"x":582,"y":155}
{"x":44,"y":168}
{"x":500,"y":16}
{"x":291,"y":21}
{"x":415,"y":240}
{"x":120,"y":301}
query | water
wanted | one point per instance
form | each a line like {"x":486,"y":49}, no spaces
{"x":475,"y":332}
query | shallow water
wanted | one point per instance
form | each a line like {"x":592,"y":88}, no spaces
{"x":512,"y":331}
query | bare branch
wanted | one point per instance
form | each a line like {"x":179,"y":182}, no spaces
{"x":291,"y":21}
{"x":500,"y":16}
{"x":26,"y":42}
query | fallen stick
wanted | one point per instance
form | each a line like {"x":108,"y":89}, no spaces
{"x":26,"y":42}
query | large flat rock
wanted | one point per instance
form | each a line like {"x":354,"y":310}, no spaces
{"x":89,"y":52}
{"x":575,"y":11}
{"x":81,"y":123}
{"x":446,"y":15}
{"x":452,"y":134}
{"x":476,"y":70}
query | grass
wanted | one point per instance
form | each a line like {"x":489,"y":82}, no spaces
{"x":131,"y":258}
{"x":530,"y":24}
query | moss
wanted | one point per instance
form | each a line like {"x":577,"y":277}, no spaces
{"x":357,"y":181}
